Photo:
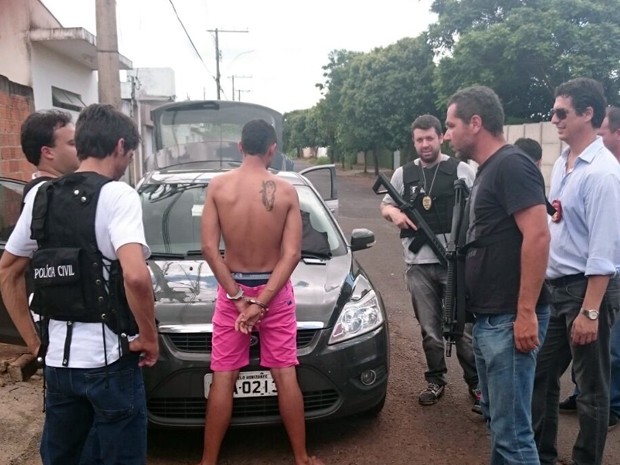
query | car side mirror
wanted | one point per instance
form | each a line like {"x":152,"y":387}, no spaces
{"x":362,"y":238}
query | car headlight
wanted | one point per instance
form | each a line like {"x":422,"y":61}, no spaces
{"x":357,"y":317}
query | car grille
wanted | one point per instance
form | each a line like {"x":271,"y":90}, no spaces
{"x":194,"y":408}
{"x":201,"y":342}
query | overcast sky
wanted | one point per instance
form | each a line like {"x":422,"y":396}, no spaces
{"x":281,"y":54}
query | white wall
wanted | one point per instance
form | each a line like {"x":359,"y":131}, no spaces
{"x":546,"y":135}
{"x":17,"y":17}
{"x":52,"y":69}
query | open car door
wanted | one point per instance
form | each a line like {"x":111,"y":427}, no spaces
{"x":323,"y":178}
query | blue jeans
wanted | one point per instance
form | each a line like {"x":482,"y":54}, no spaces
{"x":111,"y":400}
{"x":591,"y":365}
{"x":506,"y":381}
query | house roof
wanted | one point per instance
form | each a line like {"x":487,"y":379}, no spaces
{"x":75,"y":43}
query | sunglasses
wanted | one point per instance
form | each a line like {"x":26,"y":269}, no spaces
{"x":561,"y":113}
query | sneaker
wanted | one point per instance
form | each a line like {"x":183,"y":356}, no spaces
{"x":431,"y":394}
{"x":477,"y":395}
{"x":569,"y":404}
{"x":613,"y":421}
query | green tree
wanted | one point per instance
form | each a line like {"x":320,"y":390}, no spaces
{"x":524,"y":49}
{"x":383,"y":92}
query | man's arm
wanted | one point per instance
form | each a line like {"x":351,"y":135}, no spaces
{"x":584,"y":330}
{"x":532,"y":222}
{"x":13,"y":288}
{"x":602,"y":218}
{"x":390,"y":211}
{"x":139,"y":291}
{"x":211,"y":234}
{"x":396,"y":216}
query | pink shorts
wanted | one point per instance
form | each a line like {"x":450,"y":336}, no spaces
{"x":278,"y":332}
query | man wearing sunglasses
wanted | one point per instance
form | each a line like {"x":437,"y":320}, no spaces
{"x":581,"y":274}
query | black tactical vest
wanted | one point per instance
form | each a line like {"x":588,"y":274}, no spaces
{"x":67,"y":269}
{"x":439,"y":216}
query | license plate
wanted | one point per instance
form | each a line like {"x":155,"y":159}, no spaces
{"x":249,"y":384}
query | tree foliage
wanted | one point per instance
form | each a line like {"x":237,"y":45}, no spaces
{"x":523,"y":49}
{"x":525,"y":52}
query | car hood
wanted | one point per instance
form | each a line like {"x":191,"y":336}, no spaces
{"x":185,"y":290}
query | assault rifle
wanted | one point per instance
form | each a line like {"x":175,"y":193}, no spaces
{"x":454,"y":300}
{"x":383,"y":186}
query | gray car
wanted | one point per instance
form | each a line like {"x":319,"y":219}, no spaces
{"x":342,"y":338}
{"x":10,"y":208}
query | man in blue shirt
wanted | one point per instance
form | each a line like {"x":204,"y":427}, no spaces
{"x":584,"y":255}
{"x":610,"y":132}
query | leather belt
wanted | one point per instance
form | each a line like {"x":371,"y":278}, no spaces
{"x":566,"y":280}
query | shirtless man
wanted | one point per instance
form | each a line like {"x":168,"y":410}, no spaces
{"x":258,"y":216}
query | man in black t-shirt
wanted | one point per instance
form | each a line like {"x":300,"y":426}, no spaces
{"x":507,"y":253}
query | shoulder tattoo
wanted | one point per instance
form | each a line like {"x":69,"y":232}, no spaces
{"x":268,"y":194}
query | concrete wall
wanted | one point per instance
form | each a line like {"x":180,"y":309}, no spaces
{"x":52,"y":69}
{"x":546,"y":135}
{"x":16,"y":102}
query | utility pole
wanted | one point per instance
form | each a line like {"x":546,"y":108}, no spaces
{"x":239,"y":93}
{"x":217,"y":58}
{"x":107,"y":53}
{"x":233,"y":83}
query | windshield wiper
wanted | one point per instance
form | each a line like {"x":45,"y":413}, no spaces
{"x":165,"y":255}
{"x":315,"y":255}
{"x":175,"y":255}
{"x":194,"y":253}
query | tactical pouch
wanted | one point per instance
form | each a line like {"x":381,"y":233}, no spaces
{"x":56,"y":279}
{"x":121,"y":319}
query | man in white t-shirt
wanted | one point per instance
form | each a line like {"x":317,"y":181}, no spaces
{"x":90,"y":379}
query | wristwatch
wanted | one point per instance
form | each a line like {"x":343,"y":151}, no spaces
{"x":591,"y":314}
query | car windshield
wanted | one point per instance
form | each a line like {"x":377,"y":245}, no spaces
{"x":172,"y":214}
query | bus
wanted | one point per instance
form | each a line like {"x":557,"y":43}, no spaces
{"x":207,"y":132}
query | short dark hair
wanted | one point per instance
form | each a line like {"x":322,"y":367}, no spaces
{"x":427,"y":122}
{"x":481,"y":101}
{"x":613,"y":117}
{"x":584,"y":93}
{"x":99,"y":128}
{"x":38,"y":131}
{"x":531,"y":147}
{"x":256,"y":137}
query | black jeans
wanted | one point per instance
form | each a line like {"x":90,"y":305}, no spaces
{"x":591,"y":364}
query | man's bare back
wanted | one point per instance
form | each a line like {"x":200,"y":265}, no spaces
{"x":253,"y":209}
{"x":258,"y":217}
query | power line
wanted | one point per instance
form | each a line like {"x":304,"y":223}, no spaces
{"x":217,"y":58}
{"x":191,"y":41}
